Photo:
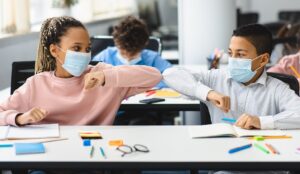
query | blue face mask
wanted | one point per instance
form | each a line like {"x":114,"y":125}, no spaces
{"x":126,"y":62}
{"x":76,"y":62}
{"x":240,"y":69}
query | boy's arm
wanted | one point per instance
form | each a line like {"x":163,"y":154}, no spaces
{"x":195,"y":86}
{"x":288,"y":116}
{"x":100,"y":56}
{"x":161,"y":64}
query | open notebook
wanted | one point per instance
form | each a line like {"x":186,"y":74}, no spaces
{"x":228,"y":130}
{"x":29,"y":131}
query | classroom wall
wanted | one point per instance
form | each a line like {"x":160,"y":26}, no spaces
{"x":268,"y":9}
{"x":23,"y":47}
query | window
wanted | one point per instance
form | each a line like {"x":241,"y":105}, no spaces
{"x":22,"y":16}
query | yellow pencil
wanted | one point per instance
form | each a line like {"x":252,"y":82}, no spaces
{"x":295,"y":71}
{"x":273,"y":137}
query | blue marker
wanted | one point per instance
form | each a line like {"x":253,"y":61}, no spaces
{"x":6,"y":145}
{"x":231,"y":120}
{"x":237,"y":149}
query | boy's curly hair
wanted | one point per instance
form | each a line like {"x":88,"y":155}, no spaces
{"x":131,"y":34}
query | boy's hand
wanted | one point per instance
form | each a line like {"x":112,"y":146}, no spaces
{"x":247,"y":121}
{"x":93,"y":79}
{"x":32,"y":116}
{"x":219,"y":100}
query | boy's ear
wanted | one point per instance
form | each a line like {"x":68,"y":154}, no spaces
{"x":53,"y":50}
{"x":265,"y":59}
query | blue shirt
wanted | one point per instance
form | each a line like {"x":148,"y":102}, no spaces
{"x":148,"y":57}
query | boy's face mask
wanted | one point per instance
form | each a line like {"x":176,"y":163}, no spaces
{"x":240,"y":69}
{"x":128,"y":62}
{"x":76,"y":62}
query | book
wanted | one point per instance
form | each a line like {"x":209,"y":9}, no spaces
{"x":228,"y":130}
{"x":29,"y":148}
{"x":29,"y":132}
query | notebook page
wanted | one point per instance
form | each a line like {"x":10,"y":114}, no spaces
{"x":246,"y":133}
{"x":211,"y":130}
{"x":34,"y":131}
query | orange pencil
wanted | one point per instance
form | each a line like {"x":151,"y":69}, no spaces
{"x":272,"y":149}
{"x":295,"y":71}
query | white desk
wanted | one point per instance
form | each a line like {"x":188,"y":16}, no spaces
{"x":170,"y":148}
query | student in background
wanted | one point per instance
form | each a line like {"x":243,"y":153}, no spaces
{"x":283,"y":49}
{"x":290,"y":64}
{"x":66,"y":90}
{"x":130,"y":37}
{"x":243,"y":91}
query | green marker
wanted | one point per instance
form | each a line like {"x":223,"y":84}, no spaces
{"x":261,"y":148}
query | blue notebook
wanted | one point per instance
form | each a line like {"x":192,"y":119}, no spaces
{"x":29,"y":148}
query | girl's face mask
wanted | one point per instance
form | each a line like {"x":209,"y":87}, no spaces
{"x":76,"y":62}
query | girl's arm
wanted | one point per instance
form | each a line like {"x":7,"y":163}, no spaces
{"x":134,"y":78}
{"x":16,"y":104}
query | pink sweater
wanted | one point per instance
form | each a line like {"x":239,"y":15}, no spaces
{"x":68,"y":103}
{"x":284,"y":64}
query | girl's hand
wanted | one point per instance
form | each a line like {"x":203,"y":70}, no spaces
{"x":93,"y":79}
{"x":32,"y":116}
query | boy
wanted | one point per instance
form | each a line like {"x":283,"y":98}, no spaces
{"x":244,"y":91}
{"x":131,"y":36}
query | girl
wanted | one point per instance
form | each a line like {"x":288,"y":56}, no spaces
{"x":65,"y":89}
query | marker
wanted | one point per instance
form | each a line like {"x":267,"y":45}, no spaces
{"x":102,"y":153}
{"x":150,"y":93}
{"x":272,"y":149}
{"x":92,"y":152}
{"x":237,"y":149}
{"x":231,"y":120}
{"x":261,"y":148}
{"x":6,"y":145}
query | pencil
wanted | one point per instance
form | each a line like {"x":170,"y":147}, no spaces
{"x":273,"y":137}
{"x":295,"y":71}
{"x":92,"y":152}
{"x":102,"y":152}
{"x":272,"y":149}
{"x":53,"y":140}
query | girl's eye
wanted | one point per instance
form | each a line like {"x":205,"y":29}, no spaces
{"x":88,"y":49}
{"x":76,"y":48}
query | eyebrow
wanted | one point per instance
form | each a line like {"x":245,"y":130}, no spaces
{"x":79,"y":43}
{"x":238,"y":50}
